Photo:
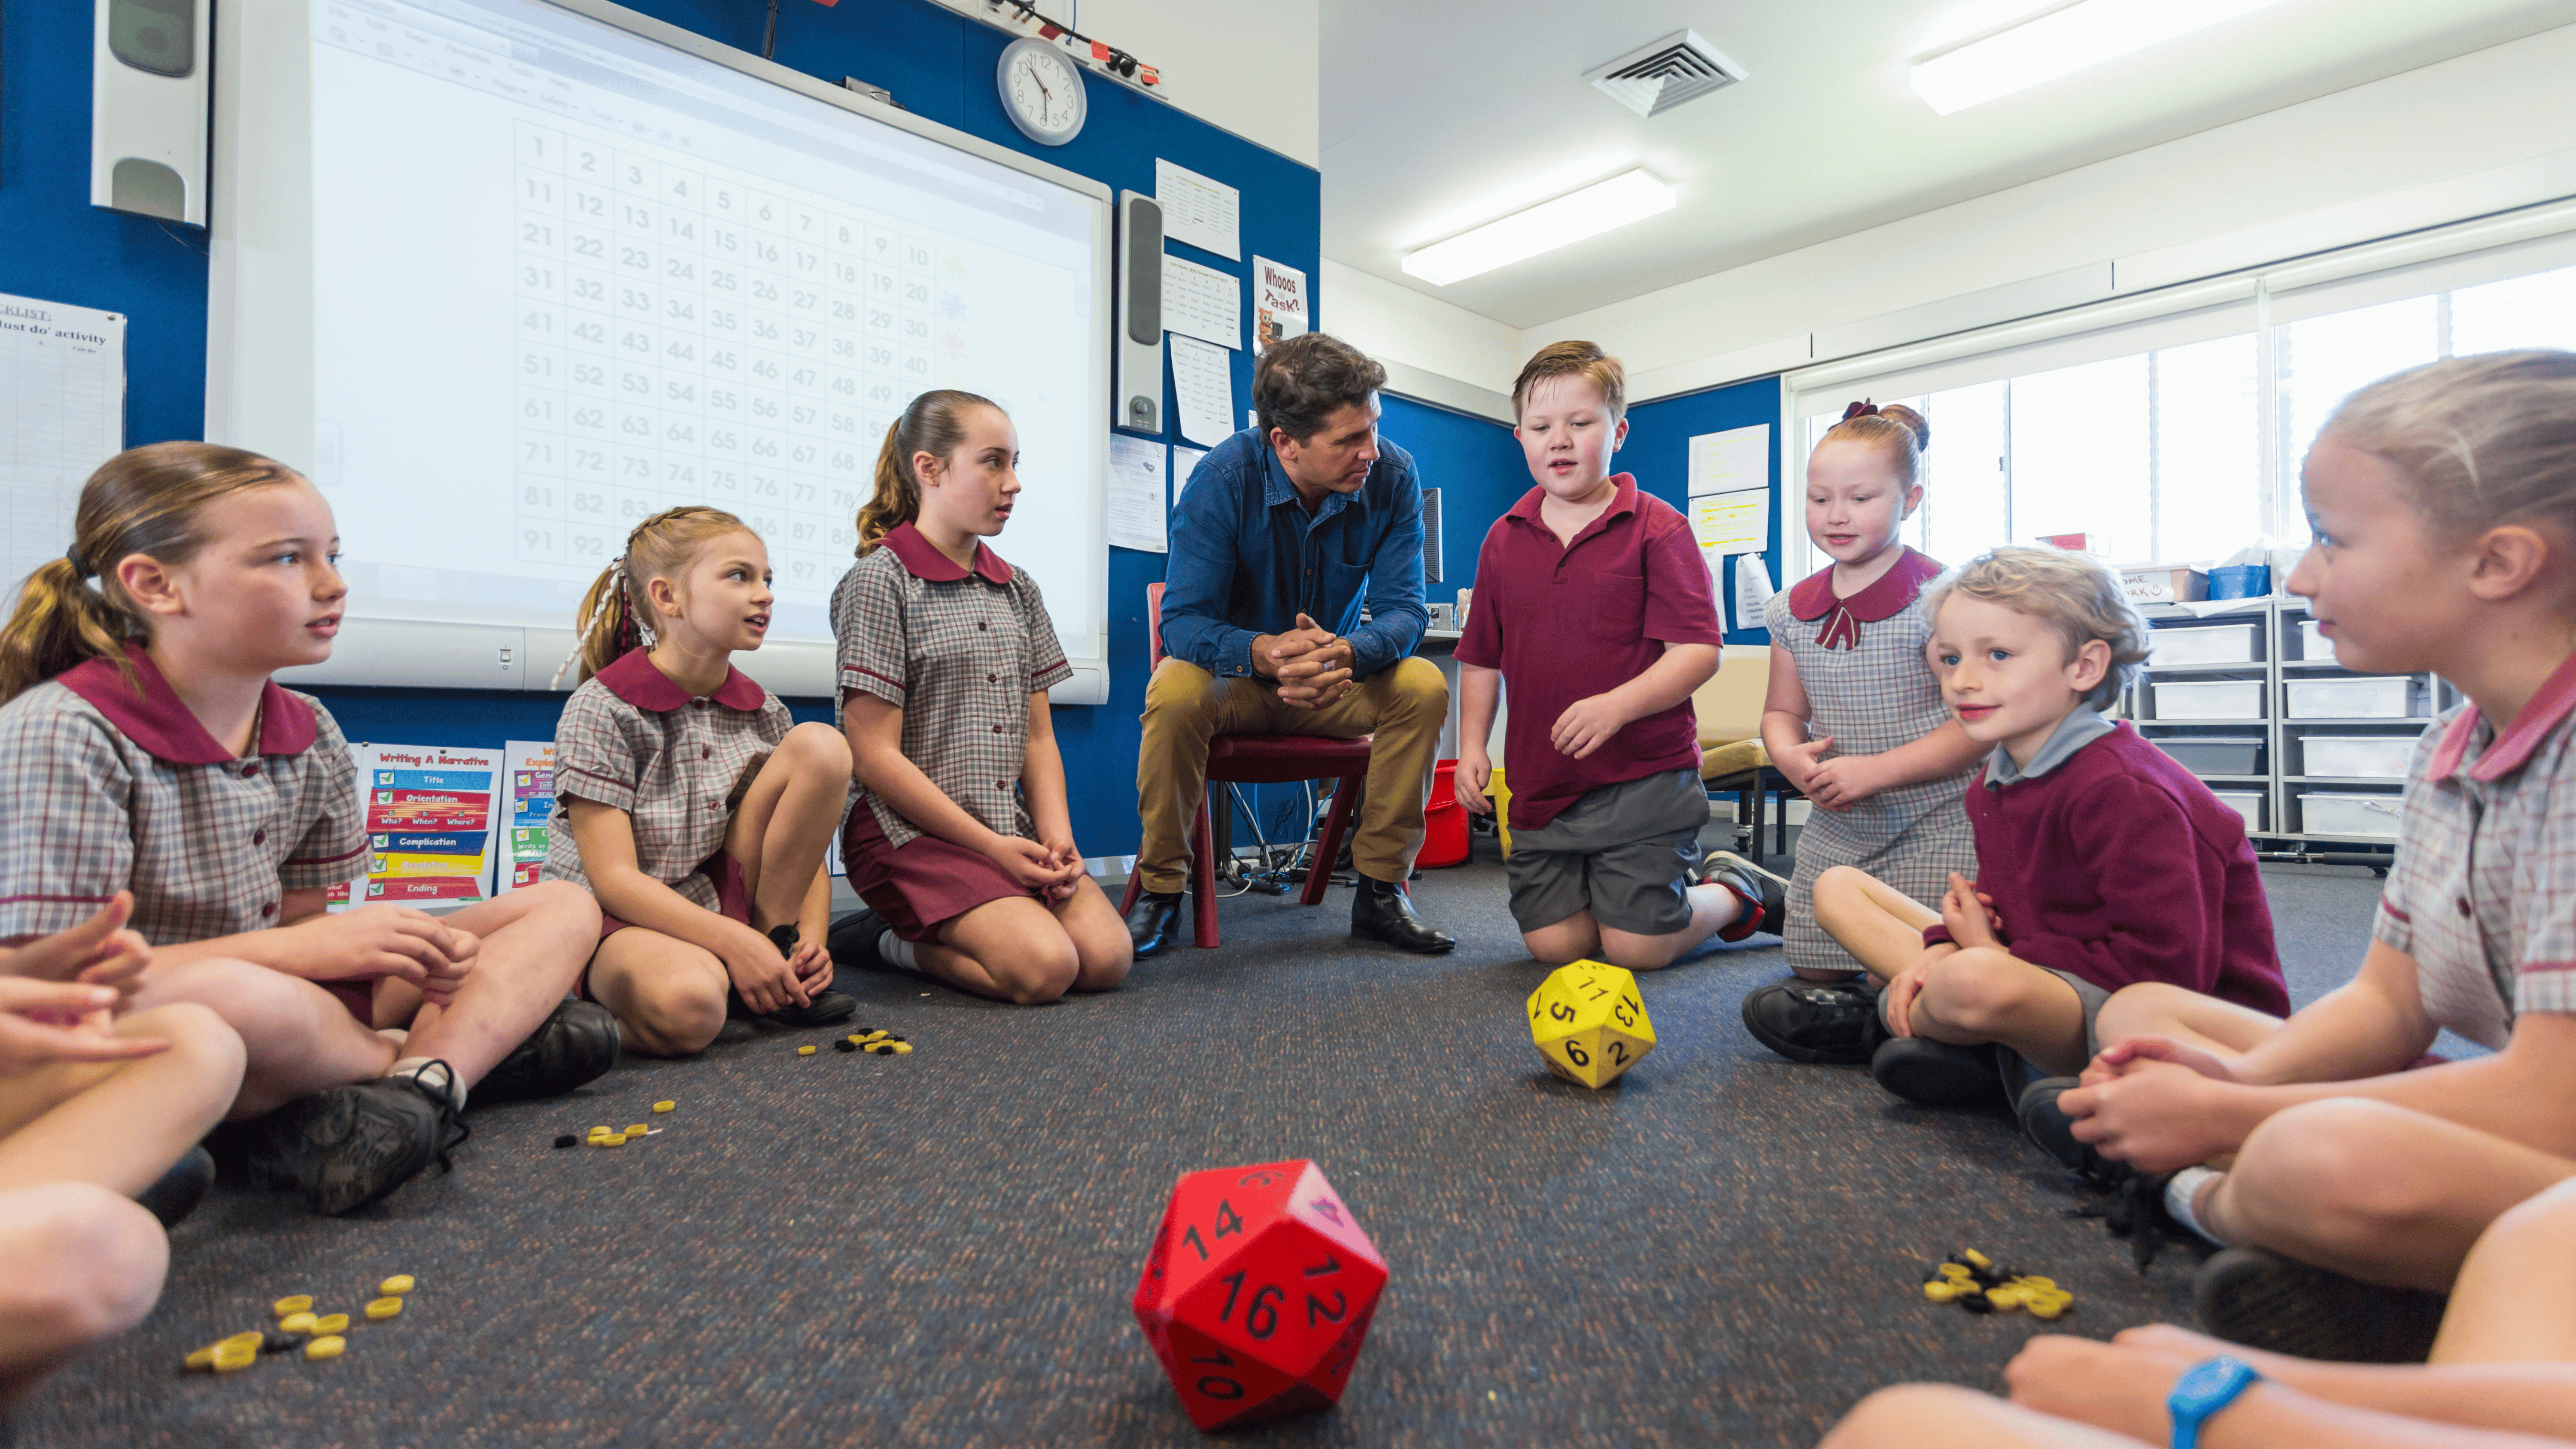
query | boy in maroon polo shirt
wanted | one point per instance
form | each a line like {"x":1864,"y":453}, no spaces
{"x":1592,"y":599}
{"x":2100,"y":861}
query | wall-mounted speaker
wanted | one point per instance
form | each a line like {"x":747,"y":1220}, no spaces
{"x":1138,"y":400}
{"x":149,"y":99}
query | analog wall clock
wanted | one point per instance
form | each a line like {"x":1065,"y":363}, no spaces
{"x":1042,"y":91}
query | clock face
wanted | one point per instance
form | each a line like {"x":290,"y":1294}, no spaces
{"x":1043,"y":92}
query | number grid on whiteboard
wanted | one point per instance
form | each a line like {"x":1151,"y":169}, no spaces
{"x":692,"y":334}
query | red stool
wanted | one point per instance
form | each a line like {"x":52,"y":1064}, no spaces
{"x":1259,"y":760}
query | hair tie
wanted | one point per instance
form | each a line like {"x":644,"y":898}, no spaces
{"x":79,"y":564}
{"x":1862,"y":409}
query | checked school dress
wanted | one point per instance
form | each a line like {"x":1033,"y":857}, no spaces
{"x":1869,"y":686}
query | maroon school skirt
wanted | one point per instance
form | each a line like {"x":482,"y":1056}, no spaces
{"x":922,"y":884}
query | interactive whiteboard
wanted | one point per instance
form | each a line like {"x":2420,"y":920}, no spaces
{"x":505,"y":277}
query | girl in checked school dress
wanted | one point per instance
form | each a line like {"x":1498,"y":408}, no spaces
{"x":1856,"y":721}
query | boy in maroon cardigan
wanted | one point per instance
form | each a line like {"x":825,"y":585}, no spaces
{"x":2100,"y":861}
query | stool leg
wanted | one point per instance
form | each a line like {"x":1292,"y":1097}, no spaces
{"x":1319,"y":871}
{"x":1203,"y":873}
{"x":1135,"y":887}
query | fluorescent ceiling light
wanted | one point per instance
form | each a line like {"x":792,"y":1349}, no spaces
{"x":1602,"y":206}
{"x":2061,"y":42}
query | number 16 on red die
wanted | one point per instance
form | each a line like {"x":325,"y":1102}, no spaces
{"x":1258,"y":1292}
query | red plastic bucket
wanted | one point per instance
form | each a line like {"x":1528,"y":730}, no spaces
{"x":1444,"y":824}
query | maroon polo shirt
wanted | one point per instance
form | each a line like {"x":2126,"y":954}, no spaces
{"x":2119,"y":866}
{"x":1568,"y":621}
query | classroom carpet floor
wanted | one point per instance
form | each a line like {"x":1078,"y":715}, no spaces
{"x":940,"y":1248}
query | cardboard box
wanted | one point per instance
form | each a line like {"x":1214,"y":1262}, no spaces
{"x":2164,"y":584}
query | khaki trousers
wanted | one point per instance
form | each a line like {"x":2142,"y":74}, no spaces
{"x":1185,"y":706}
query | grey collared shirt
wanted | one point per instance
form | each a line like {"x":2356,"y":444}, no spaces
{"x":2072,"y":733}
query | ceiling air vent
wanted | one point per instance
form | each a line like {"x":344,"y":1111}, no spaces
{"x":1653,"y":79}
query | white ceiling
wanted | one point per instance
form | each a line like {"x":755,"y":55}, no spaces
{"x":1439,"y":115}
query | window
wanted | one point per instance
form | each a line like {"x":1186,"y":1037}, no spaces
{"x":2159,"y":454}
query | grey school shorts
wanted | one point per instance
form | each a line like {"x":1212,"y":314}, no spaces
{"x":1624,"y":852}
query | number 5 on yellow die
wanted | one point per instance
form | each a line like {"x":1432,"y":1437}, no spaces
{"x":1590,"y":1023}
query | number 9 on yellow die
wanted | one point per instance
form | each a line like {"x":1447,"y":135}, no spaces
{"x":1590,"y":1023}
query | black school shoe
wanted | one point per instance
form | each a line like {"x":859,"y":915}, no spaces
{"x":1768,"y":894}
{"x":2261,"y":1299}
{"x":1825,"y":1022}
{"x":1937,"y":1073}
{"x":345,"y":1147}
{"x":576,"y":1044}
{"x":2045,"y":1123}
{"x":176,"y":1193}
{"x":823,"y":1008}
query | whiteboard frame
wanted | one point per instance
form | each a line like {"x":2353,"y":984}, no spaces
{"x":263,"y":236}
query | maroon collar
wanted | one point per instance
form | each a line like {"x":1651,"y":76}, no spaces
{"x":2547,"y":709}
{"x":925,"y":561}
{"x":636,"y":679}
{"x":1894,"y":591}
{"x":158,"y":720}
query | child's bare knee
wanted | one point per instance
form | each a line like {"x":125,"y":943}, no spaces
{"x":1839,"y":885}
{"x":2139,"y":1008}
{"x":1977,"y":989}
{"x":199,"y":1037}
{"x":2322,"y":1171}
{"x":678,"y":1017}
{"x":88,"y":1263}
{"x":1638,"y":953}
{"x":1894,"y":1416}
{"x":1042,"y":971}
{"x":818,"y":748}
{"x":565,"y":907}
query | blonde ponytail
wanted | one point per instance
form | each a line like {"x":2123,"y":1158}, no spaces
{"x":613,"y":614}
{"x":934,"y":423}
{"x":144,"y":500}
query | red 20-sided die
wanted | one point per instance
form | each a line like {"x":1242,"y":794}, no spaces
{"x":1258,"y":1292}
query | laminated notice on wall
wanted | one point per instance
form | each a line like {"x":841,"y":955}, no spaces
{"x":529,"y":767}
{"x":1752,"y":590}
{"x":1279,"y":307}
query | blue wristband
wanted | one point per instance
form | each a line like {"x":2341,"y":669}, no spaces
{"x":2203,"y":1390}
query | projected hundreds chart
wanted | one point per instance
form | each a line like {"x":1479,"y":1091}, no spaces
{"x":691,"y":334}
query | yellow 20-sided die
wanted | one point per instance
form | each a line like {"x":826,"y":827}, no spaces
{"x":1590,"y":1023}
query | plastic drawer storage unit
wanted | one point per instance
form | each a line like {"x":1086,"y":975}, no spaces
{"x":2313,"y":644}
{"x":2248,"y":803}
{"x":2208,"y":699}
{"x":2209,"y":644}
{"x":2331,"y":814}
{"x":2214,"y":755}
{"x":2357,"y":755}
{"x":2392,"y":697}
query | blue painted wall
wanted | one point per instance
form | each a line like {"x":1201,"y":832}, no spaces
{"x":1658,"y":452}
{"x":940,"y":65}
{"x":1475,"y":463}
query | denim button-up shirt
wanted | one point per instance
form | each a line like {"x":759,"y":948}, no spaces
{"x":1247,"y":559}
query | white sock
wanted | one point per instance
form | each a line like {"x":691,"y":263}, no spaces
{"x":2181,"y":1192}
{"x":413,"y":1067}
{"x":896,"y":951}
{"x":395,"y":1034}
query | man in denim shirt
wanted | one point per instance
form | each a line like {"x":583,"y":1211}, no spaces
{"x":1283,"y":532}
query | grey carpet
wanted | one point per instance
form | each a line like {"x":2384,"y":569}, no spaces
{"x":939,"y":1249}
